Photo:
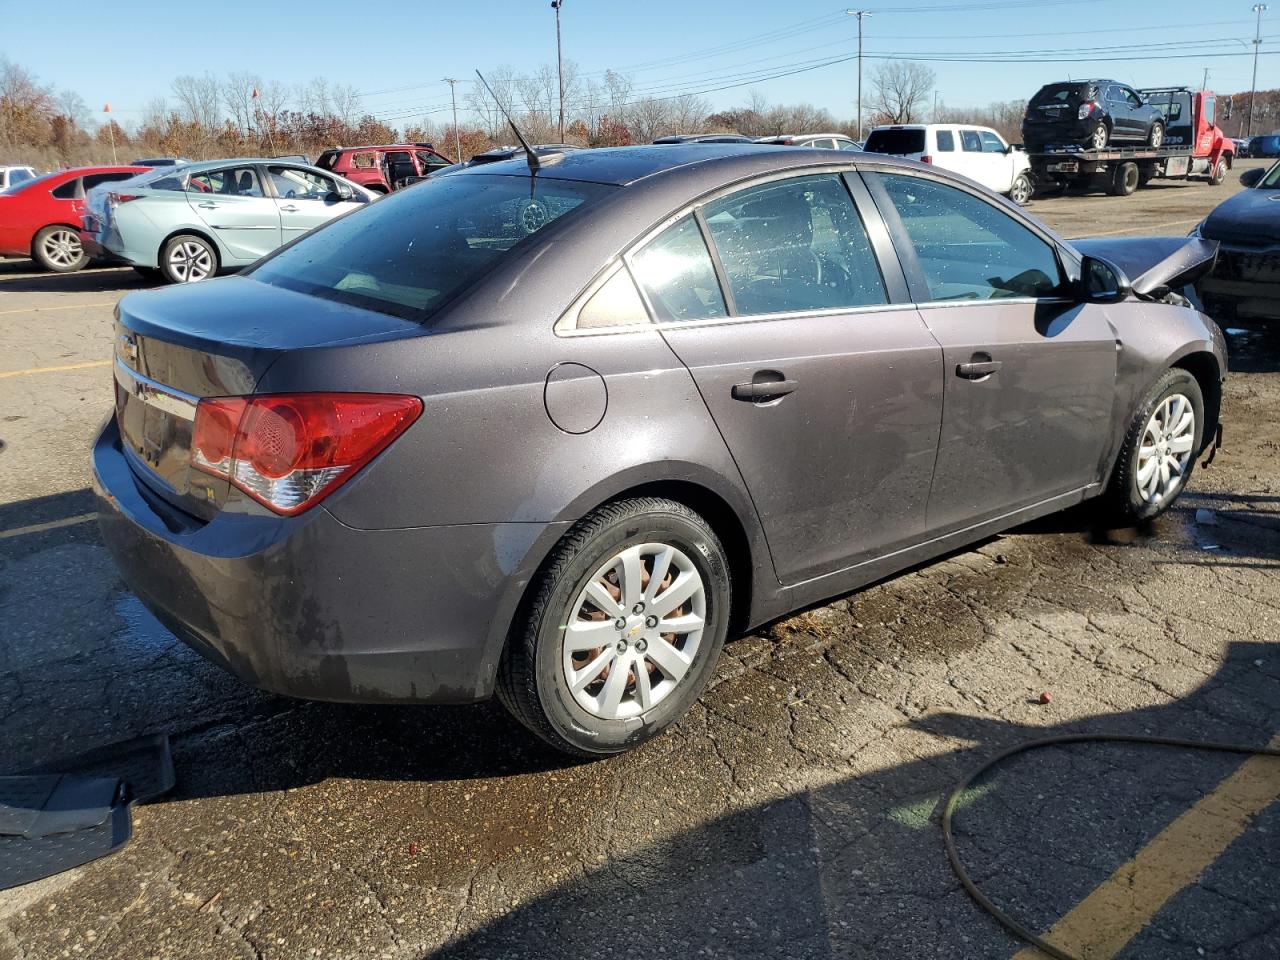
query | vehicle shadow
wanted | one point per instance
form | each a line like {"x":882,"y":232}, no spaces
{"x":92,"y":279}
{"x":857,"y":868}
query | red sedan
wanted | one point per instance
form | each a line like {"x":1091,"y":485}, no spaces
{"x":41,"y":218}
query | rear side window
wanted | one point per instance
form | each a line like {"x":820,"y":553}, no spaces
{"x":970,"y":141}
{"x":898,"y":143}
{"x":364,"y":160}
{"x":93,"y":179}
{"x":235,"y":182}
{"x":946,"y":141}
{"x":794,"y":245}
{"x":411,"y":253}
{"x":969,"y":249}
{"x":616,"y":304}
{"x":675,"y":271}
{"x":69,"y":190}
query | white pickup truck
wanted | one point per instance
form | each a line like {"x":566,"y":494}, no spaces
{"x":977,"y":152}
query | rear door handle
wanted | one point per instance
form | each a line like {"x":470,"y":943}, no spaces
{"x":759,"y":391}
{"x":978,"y":369}
{"x":290,"y":209}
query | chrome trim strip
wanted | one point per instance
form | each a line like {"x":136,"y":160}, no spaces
{"x":156,"y":394}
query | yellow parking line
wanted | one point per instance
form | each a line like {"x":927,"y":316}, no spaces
{"x":69,"y":306}
{"x":65,"y":366}
{"x":1145,"y":231}
{"x":1113,"y":914}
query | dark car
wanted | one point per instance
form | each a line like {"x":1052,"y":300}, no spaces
{"x":703,"y":138}
{"x":429,"y":452}
{"x":1267,"y":145}
{"x":1092,"y":114}
{"x":1245,"y":282}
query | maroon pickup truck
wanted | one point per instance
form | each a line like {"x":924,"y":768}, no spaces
{"x":382,"y":169}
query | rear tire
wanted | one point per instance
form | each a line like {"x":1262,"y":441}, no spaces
{"x":1100,"y":137}
{"x":1159,"y":451}
{"x":188,"y":258}
{"x":1125,"y":179}
{"x":57,"y":249}
{"x":559,"y":688}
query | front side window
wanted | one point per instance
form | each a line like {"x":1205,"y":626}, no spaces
{"x":991,"y":143}
{"x":969,"y":249}
{"x":411,"y":253}
{"x":675,"y":270}
{"x":1210,"y":110}
{"x":970,"y":141}
{"x":848,"y":145}
{"x":429,"y":161}
{"x":294,"y":184}
{"x":232,"y":182}
{"x":946,"y":141}
{"x":1131,"y":98}
{"x":794,"y":245}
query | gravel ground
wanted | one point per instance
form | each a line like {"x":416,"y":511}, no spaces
{"x":793,"y":813}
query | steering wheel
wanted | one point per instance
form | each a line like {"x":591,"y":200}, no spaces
{"x":291,"y":195}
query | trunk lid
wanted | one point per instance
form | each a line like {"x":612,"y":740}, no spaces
{"x":175,"y":346}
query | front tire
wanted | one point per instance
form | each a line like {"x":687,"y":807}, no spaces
{"x":1156,"y":137}
{"x":188,"y":258}
{"x":58,"y":250}
{"x":623,"y":631}
{"x":1022,"y":190}
{"x":1160,"y":449}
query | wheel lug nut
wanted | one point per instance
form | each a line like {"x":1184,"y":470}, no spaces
{"x":651,"y":621}
{"x":622,"y":646}
{"x":642,"y":645}
{"x":620,"y":623}
{"x":638,"y":608}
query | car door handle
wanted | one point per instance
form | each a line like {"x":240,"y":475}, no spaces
{"x":979,"y":368}
{"x":759,"y":391}
{"x":207,"y":205}
{"x":289,"y":209}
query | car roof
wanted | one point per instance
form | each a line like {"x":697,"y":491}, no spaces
{"x":620,"y":166}
{"x":382,"y":146}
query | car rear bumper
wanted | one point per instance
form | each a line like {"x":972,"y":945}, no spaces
{"x":1064,"y":131}
{"x":310,"y":607}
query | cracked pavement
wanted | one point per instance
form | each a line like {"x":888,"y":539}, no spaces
{"x":793,"y":813}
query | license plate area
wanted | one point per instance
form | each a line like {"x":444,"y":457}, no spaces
{"x":1064,"y":166}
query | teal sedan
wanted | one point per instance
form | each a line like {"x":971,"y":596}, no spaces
{"x":192,"y":222}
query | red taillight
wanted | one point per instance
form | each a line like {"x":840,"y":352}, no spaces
{"x":115,"y":199}
{"x":290,"y":451}
{"x":926,"y":159}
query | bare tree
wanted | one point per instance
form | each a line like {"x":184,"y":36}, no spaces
{"x":648,"y":119}
{"x":900,"y":89}
{"x":346,"y":103}
{"x":237,"y":94}
{"x":198,"y":100}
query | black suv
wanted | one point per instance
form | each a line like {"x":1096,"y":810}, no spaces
{"x":1092,"y":113}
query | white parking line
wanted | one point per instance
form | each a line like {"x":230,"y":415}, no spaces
{"x":70,"y":306}
{"x":1143,"y":232}
{"x":51,"y":525}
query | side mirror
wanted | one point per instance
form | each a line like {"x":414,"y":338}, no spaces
{"x":342,"y":191}
{"x":1253,"y":176}
{"x":1103,"y":282}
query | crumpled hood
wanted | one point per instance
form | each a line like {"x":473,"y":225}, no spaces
{"x":1155,"y":265}
{"x":1250,"y":218}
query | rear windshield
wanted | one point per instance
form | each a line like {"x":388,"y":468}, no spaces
{"x":1059,"y":93}
{"x":411,"y":252}
{"x":897,"y":142}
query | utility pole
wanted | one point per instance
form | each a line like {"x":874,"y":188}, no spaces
{"x":453,"y":93}
{"x":1204,"y":84}
{"x":860,"y":14}
{"x":556,"y":5}
{"x":1259,"y":9}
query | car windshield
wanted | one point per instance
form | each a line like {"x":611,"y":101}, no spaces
{"x":896,"y":142}
{"x":409,"y":254}
{"x":1272,"y":179}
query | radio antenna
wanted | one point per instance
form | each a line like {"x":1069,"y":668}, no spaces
{"x":530,"y":156}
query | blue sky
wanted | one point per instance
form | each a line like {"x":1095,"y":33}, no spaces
{"x":668,"y":46}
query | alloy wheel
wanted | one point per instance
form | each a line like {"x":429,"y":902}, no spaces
{"x":190,"y":261}
{"x":1021,"y":192}
{"x":1157,"y":136}
{"x":62,"y":248}
{"x":1165,"y":449}
{"x":1099,"y":139}
{"x":634,"y":631}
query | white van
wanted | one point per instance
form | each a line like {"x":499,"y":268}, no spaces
{"x":977,"y":152}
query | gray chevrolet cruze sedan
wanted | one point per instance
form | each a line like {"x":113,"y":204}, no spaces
{"x":555,"y":434}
